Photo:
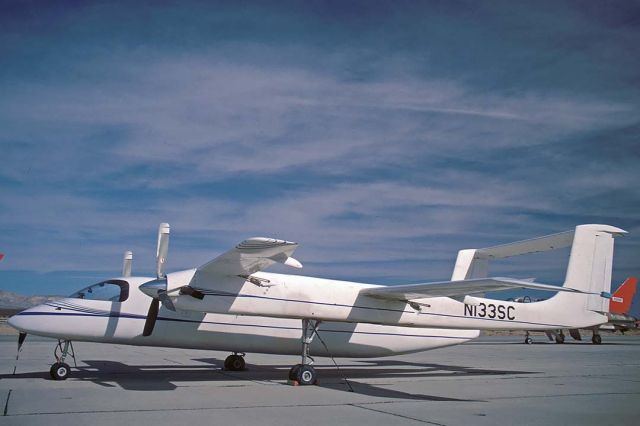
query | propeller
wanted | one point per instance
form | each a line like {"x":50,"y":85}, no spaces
{"x":152,"y":316}
{"x":163,"y":249}
{"x":157,"y":289}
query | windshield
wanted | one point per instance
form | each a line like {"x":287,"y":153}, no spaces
{"x":110,"y":290}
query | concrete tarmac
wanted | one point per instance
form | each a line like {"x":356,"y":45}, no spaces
{"x":490,"y":381}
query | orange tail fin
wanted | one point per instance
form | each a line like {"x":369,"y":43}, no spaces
{"x":620,"y":302}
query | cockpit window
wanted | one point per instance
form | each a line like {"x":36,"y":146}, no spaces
{"x":110,"y":290}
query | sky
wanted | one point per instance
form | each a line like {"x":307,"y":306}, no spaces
{"x":381,"y":136}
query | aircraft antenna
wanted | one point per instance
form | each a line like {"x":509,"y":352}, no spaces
{"x":333,"y":359}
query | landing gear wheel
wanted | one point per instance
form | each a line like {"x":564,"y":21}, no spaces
{"x":293,"y":373}
{"x":60,"y":371}
{"x":306,"y":375}
{"x":234,"y":363}
{"x":528,"y":340}
{"x":596,"y":339}
{"x":560,"y":338}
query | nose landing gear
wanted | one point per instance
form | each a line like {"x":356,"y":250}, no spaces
{"x":60,"y":370}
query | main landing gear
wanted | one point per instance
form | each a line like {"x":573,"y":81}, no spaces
{"x":303,"y":373}
{"x":59,"y":369}
{"x":596,"y":339}
{"x":235,"y":362}
{"x":560,"y":337}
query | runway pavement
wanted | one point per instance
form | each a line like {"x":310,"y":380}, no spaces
{"x":491,"y":381}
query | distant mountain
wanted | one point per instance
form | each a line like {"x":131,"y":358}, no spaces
{"x":9,"y":300}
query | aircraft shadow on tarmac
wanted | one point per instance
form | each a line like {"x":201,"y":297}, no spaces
{"x":161,"y":377}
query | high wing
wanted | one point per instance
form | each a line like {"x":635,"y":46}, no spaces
{"x":459,"y":288}
{"x":251,"y":255}
{"x":231,"y":268}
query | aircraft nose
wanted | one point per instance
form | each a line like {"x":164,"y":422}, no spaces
{"x":23,"y":321}
{"x":15,"y":322}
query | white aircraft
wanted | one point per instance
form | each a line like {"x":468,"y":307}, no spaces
{"x":229,"y":304}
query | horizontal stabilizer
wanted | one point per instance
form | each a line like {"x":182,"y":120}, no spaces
{"x":458,"y":288}
{"x":533,"y":245}
{"x":474,"y":263}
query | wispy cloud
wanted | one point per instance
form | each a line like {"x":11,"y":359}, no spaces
{"x":222,"y":119}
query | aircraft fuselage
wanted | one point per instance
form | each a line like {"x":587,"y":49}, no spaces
{"x":122,"y":323}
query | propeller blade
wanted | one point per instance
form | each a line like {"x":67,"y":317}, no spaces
{"x":166,"y":301}
{"x":21,"y":338}
{"x":163,"y":249}
{"x":152,"y":316}
{"x":126,"y":264}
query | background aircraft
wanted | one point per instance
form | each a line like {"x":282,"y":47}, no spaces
{"x":229,"y":304}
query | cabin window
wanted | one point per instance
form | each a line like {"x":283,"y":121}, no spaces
{"x":110,"y":290}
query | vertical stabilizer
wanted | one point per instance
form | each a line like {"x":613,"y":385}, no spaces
{"x":591,"y":262}
{"x":469,"y":265}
